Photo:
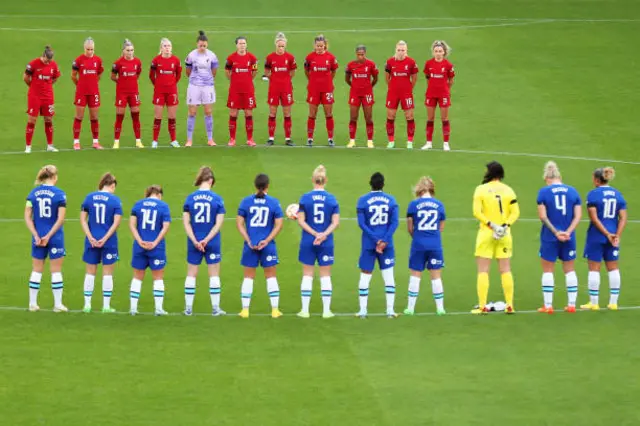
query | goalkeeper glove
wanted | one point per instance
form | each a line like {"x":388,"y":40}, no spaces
{"x":499,"y":231}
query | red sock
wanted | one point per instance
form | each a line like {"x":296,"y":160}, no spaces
{"x":353,"y":128}
{"x":330,"y":126}
{"x":156,"y":128}
{"x":232,"y":127}
{"x":172,"y":129}
{"x":29,"y":133}
{"x":117,"y":128}
{"x":311,"y":127}
{"x":77,"y":126}
{"x":429,"y":131}
{"x":135,"y":118}
{"x":248,"y":125}
{"x":272,"y":127}
{"x":391,"y":130}
{"x":370,"y":130}
{"x":95,"y":129}
{"x":287,"y":127}
{"x":411,"y":130}
{"x":446,"y":130}
{"x":48,"y":131}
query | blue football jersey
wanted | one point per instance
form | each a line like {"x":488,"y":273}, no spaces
{"x":260,"y":215}
{"x":318,"y":206}
{"x":45,"y":201}
{"x":102,"y":208}
{"x":559,"y":201}
{"x":203,"y":207}
{"x":608,"y":202}
{"x":151,"y":213}
{"x":426,"y":213}
{"x":378,"y":218}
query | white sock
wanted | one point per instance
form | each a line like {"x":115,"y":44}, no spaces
{"x":414,"y":289}
{"x":215,"y":288}
{"x":158,"y":294}
{"x":389,"y":288}
{"x":134,"y":294}
{"x":34,"y":287}
{"x":327,"y":291}
{"x":438,"y":293}
{"x":594,"y":286}
{"x":547,"y":289}
{"x":107,"y":291}
{"x":57,"y":285}
{"x":305,"y":292}
{"x":363,"y":287}
{"x":189,"y":291}
{"x":614,"y":286}
{"x":245,"y":292}
{"x":89,"y":283}
{"x":572,"y":287}
{"x":274,"y":292}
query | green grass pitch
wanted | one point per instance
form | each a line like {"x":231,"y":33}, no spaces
{"x":536,"y":80}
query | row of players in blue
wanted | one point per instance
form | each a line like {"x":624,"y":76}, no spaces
{"x":260,"y":219}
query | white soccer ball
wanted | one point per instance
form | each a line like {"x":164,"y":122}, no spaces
{"x":292,"y":211}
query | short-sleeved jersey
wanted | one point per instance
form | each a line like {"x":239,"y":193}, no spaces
{"x":608,"y":202}
{"x":378,"y":218}
{"x":260,"y":216}
{"x":165,"y":73}
{"x":401,"y":72}
{"x":318,"y":206}
{"x":438,"y":74}
{"x":203,"y":207}
{"x":427,"y":213}
{"x":242,"y":68}
{"x":42,"y":78}
{"x":280,"y":67}
{"x":151,"y":214}
{"x":201,"y":65}
{"x":89,"y":71}
{"x":362,"y":74}
{"x":320,"y":68}
{"x":559,"y":200}
{"x":102,"y":207}
{"x":496,"y":201}
{"x":128,"y":72}
{"x":45,"y":200}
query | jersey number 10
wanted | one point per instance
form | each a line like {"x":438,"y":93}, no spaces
{"x":610,"y":205}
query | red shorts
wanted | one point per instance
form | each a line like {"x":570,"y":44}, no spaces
{"x":320,"y":98}
{"x":276,"y":98}
{"x":168,"y":99}
{"x":127,"y":99}
{"x":92,"y":101}
{"x":357,"y":99}
{"x":241,"y":100}
{"x":37,"y":106}
{"x":405,"y":101}
{"x":444,"y":101}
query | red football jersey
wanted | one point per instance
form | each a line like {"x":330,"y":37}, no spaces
{"x":242,"y":68}
{"x":320,"y":68}
{"x":165,"y":73}
{"x":438,"y":74}
{"x":401,"y":72}
{"x":281,"y":67}
{"x":361,"y":76}
{"x":128,"y":72}
{"x":42,"y":78}
{"x":89,"y":70}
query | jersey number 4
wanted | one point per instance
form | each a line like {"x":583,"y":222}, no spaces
{"x":561,"y":203}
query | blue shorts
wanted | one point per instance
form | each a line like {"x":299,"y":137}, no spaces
{"x":211,"y":254}
{"x":310,"y":254}
{"x":385,"y":260}
{"x":596,"y":252}
{"x":266,"y":257}
{"x":104,"y":255}
{"x":553,"y":250}
{"x":154,"y":260}
{"x":53,"y":250}
{"x":429,"y":259}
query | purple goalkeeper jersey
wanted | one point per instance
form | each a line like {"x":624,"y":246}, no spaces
{"x":201,"y":65}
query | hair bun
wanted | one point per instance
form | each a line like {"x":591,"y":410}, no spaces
{"x":201,"y":32}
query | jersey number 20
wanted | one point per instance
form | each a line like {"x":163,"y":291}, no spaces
{"x":259,"y":216}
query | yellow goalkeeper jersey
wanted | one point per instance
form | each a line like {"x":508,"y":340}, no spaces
{"x":495,"y":202}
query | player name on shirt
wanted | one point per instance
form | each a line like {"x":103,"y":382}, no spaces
{"x":149,"y":203}
{"x":559,"y":189}
{"x":45,"y":192}
{"x":378,"y":199}
{"x":260,"y":201}
{"x":428,"y":204}
{"x":318,"y":198}
{"x":608,"y":193}
{"x":100,"y":197}
{"x":202,"y":197}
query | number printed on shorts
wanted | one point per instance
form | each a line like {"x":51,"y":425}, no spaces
{"x":259,"y":216}
{"x":51,"y":109}
{"x":329,"y":96}
{"x":369,"y":98}
{"x":408,"y":102}
{"x":97,"y":99}
{"x":289,"y":98}
{"x":379,"y":214}
{"x":428,"y":219}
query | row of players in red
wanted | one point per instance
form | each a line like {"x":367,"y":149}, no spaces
{"x":241,"y":67}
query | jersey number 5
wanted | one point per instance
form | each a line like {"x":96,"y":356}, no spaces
{"x":318,"y":213}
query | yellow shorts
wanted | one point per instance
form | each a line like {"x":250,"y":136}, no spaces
{"x":490,"y":248}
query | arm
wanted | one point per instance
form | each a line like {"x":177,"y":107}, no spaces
{"x":152,"y":75}
{"x":414,"y":79}
{"x":28,"y":220}
{"x":188,"y":71}
{"x":410,"y":225}
{"x":163,"y":232}
{"x":240,"y":224}
{"x":387,"y":78}
{"x":347,"y":78}
{"x":276,"y":230}
{"x":333,"y":74}
{"x":304,"y":225}
{"x":335,"y":222}
{"x":362,"y":223}
{"x":133,"y":227}
{"x":450,"y":82}
{"x":393,"y":225}
{"x":542,"y":214}
{"x":577,"y":215}
{"x":178,"y":72}
{"x":622,"y":223}
{"x":514,"y":214}
{"x":214,"y":231}
{"x":186,"y":221}
{"x":74,"y":76}
{"x":84,"y":219}
{"x":26,"y":78}
{"x":374,"y":81}
{"x":442,"y":226}
{"x":227,"y":72}
{"x":292,"y":73}
{"x":114,"y":77}
{"x":593,"y":216}
{"x":116,"y":224}
{"x":477,"y":210}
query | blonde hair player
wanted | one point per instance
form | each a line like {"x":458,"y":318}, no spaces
{"x":44,"y":216}
{"x":241,"y":68}
{"x":496,"y":207}
{"x":165,"y":73}
{"x":279,"y":68}
{"x":439,"y":73}
{"x":318,"y":216}
{"x":125,"y":73}
{"x":86,"y":71}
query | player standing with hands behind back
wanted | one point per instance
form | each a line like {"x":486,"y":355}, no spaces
{"x":125,"y":73}
{"x":87,"y":69}
{"x":361,"y":75}
{"x":241,"y":69}
{"x":165,"y":73}
{"x":439,"y":73}
{"x":402,"y":74}
{"x":279,"y":68}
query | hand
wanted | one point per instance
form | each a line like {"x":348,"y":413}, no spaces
{"x":380,"y":246}
{"x":563,"y":236}
{"x":146,"y":245}
{"x":320,"y":238}
{"x":498,"y":231}
{"x":101,"y":242}
{"x":262,"y":244}
{"x":37,"y":241}
{"x":613,"y":239}
{"x":201,"y":245}
{"x":44,"y":241}
{"x":152,"y":244}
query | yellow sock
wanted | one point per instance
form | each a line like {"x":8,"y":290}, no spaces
{"x":507,"y":287}
{"x":483,"y":289}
